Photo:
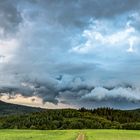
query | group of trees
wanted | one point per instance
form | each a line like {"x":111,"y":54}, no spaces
{"x":102,"y":118}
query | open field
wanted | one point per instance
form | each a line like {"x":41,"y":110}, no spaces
{"x":37,"y":135}
{"x":113,"y":134}
{"x":69,"y":134}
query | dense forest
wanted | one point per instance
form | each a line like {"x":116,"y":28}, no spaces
{"x":102,"y":118}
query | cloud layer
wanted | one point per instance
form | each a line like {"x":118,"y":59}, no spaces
{"x":73,"y":53}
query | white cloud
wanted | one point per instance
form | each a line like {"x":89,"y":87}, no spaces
{"x":7,"y":49}
{"x":96,"y":38}
{"x":131,"y":40}
{"x":100,"y":93}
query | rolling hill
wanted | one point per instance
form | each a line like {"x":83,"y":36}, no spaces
{"x":11,"y":109}
{"x":23,"y":117}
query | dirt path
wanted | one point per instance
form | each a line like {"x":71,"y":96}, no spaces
{"x":81,"y":137}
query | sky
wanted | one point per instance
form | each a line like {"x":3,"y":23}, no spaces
{"x":70,"y":53}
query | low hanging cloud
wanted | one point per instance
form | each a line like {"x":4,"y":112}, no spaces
{"x":120,"y":93}
{"x":116,"y":96}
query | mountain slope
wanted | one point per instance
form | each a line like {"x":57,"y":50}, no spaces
{"x":11,"y":109}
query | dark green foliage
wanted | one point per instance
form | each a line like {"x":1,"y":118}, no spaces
{"x":103,"y":118}
{"x":134,"y":126}
{"x":118,"y":115}
{"x":22,"y":117}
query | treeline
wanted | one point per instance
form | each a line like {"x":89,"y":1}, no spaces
{"x":102,"y":118}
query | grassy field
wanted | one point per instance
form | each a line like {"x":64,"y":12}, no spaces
{"x":37,"y":135}
{"x":113,"y":134}
{"x":69,"y":134}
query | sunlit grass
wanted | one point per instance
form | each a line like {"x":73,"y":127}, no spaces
{"x":69,"y":134}
{"x":37,"y":135}
{"x":113,"y":134}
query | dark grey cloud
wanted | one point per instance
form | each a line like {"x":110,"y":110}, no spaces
{"x":76,"y":68}
{"x":10,"y":17}
{"x":43,"y":64}
{"x":67,"y":13}
{"x":119,"y":96}
{"x":78,"y":12}
{"x":47,"y":91}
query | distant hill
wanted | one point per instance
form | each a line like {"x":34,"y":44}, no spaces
{"x":11,"y":109}
{"x":22,"y":117}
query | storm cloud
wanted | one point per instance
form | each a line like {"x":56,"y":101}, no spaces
{"x":75,"y":52}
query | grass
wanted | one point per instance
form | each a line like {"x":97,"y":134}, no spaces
{"x":113,"y":134}
{"x":69,"y":134}
{"x":37,"y":135}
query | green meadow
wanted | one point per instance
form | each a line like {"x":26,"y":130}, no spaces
{"x":37,"y":135}
{"x":69,"y":134}
{"x":113,"y":134}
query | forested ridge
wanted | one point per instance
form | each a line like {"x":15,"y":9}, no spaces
{"x":11,"y":109}
{"x":101,"y":118}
